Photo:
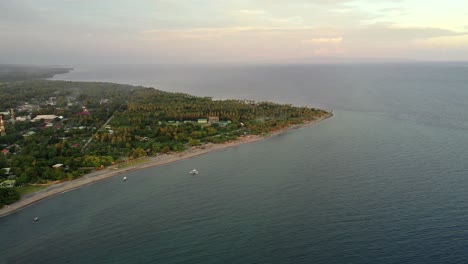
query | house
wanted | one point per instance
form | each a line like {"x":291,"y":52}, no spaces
{"x":51,"y":101}
{"x":225,"y":123}
{"x":5,"y":151}
{"x":174,"y":123}
{"x":8,"y":184}
{"x":213,"y":119}
{"x":84,"y":111}
{"x":23,"y":118}
{"x":28,"y":107}
{"x":104,"y":101}
{"x":47,"y":118}
{"x":30,"y":133}
{"x":202,"y":121}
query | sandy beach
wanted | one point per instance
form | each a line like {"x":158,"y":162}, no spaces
{"x":98,"y":175}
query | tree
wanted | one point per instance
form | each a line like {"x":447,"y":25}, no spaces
{"x":194,"y":142}
{"x":8,"y":196}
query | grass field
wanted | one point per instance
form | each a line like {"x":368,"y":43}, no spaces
{"x":30,"y":188}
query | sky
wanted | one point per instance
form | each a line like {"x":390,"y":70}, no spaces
{"x":67,"y":32}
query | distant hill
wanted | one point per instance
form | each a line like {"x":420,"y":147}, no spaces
{"x":25,"y":72}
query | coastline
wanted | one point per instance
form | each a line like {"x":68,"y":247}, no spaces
{"x":111,"y":171}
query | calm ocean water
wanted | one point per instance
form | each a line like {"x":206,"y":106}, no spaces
{"x":383,"y":181}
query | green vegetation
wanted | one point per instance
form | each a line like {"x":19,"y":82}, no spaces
{"x":130,"y":163}
{"x":8,"y":196}
{"x":27,"y":188}
{"x":95,"y":125}
{"x":16,"y":72}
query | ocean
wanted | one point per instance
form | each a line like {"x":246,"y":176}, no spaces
{"x":384,"y":180}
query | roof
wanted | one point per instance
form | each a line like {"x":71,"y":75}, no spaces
{"x":8,"y":183}
{"x":30,"y":133}
{"x":45,"y":117}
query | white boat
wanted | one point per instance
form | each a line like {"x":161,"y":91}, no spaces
{"x":36,"y":219}
{"x":124,"y":178}
{"x":193,"y":172}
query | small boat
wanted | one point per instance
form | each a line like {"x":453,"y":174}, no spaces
{"x":193,"y":172}
{"x":124,"y":178}
{"x":36,"y":219}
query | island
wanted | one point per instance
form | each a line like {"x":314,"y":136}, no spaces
{"x":55,"y":132}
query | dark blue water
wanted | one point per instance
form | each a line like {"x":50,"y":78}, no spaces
{"x":383,"y":181}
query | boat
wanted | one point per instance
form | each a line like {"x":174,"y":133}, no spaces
{"x":193,"y":172}
{"x":36,"y":219}
{"x":124,"y":178}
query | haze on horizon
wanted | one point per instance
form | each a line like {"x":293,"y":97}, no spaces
{"x":243,"y":31}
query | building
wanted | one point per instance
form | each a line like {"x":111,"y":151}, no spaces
{"x":213,"y":119}
{"x":202,"y":121}
{"x":7,"y":184}
{"x":84,"y":111}
{"x":225,"y":123}
{"x":2,"y":127}
{"x":47,"y":118}
{"x":7,"y":170}
{"x":23,"y":118}
{"x":30,"y":133}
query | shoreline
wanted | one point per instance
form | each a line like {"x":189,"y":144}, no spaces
{"x":111,"y":171}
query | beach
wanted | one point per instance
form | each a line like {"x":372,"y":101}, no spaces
{"x":111,"y":171}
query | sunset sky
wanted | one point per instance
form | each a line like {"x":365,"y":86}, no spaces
{"x":240,"y":31}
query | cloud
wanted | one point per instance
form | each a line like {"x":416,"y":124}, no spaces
{"x":304,"y":2}
{"x":392,"y":9}
{"x":379,"y":35}
{"x":250,"y":12}
{"x":234,"y":44}
{"x":235,"y":29}
{"x":251,"y":34}
{"x":219,"y":30}
{"x":16,"y":12}
{"x":443,"y":42}
{"x":324,"y":40}
{"x":393,"y":33}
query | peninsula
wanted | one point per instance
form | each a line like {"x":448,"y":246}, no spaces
{"x":59,"y":135}
{"x":21,"y":72}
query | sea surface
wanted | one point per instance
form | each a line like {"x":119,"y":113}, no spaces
{"x":383,"y":181}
